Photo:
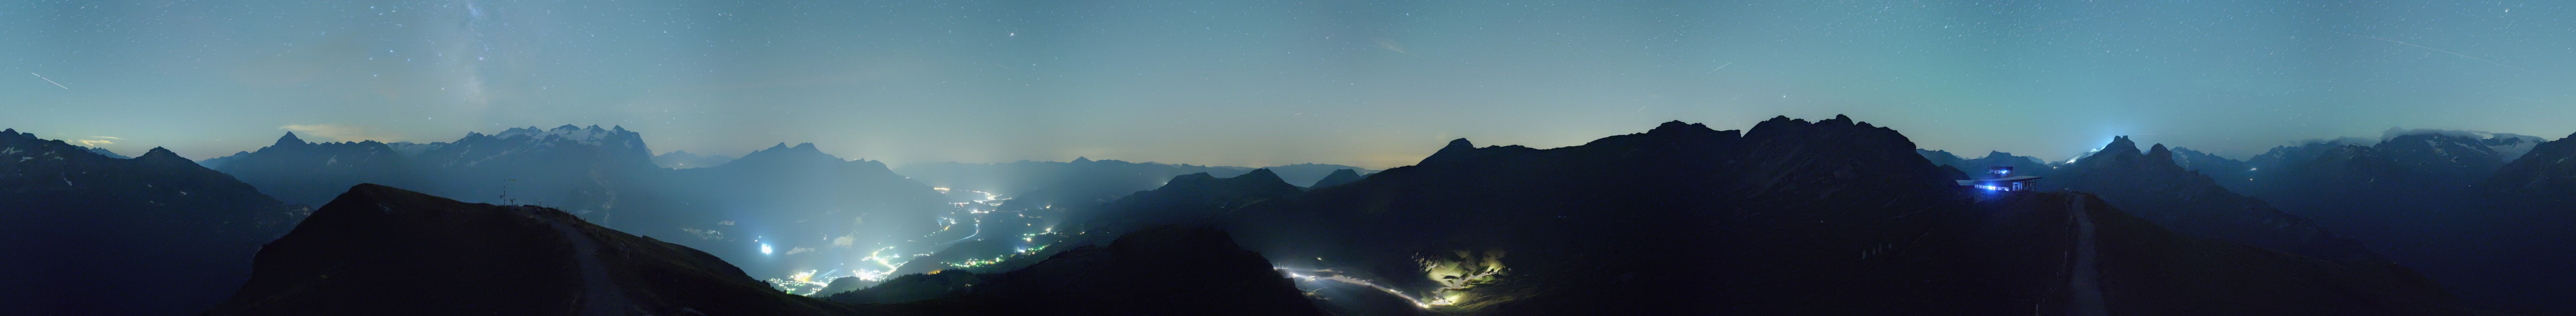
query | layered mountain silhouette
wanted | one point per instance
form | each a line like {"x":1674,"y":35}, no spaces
{"x":786,"y":197}
{"x":2444,"y":202}
{"x":578,"y":168}
{"x":1339,"y":177}
{"x":311,"y":173}
{"x":90,"y":234}
{"x":2152,"y":185}
{"x":1791,"y":217}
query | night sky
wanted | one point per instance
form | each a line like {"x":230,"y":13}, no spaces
{"x":1366,"y":83}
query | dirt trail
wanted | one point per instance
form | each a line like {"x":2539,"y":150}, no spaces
{"x":2087,"y":281}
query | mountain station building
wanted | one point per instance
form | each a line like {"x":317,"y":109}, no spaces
{"x":2001,"y":179}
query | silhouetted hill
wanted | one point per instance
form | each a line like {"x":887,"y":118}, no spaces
{"x":2155,"y":188}
{"x":1338,"y":177}
{"x":89,"y":234}
{"x":377,"y":250}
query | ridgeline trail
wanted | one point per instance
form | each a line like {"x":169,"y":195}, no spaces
{"x":2087,"y":279}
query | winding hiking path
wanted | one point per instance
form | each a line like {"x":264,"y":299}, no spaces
{"x":2087,"y":281}
{"x":600,"y":294}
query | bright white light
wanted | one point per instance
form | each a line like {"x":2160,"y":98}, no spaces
{"x":764,"y":249}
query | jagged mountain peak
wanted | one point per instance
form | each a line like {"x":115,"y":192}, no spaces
{"x":2119,"y":145}
{"x":1677,"y":126}
{"x":158,"y":153}
{"x":1081,"y":159}
{"x":288,"y":140}
{"x":1997,"y":154}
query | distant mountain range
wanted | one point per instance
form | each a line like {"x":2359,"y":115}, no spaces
{"x":92,"y":234}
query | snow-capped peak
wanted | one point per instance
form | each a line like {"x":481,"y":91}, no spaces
{"x":592,"y":135}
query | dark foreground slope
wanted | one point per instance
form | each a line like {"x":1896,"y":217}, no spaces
{"x":2146,"y":269}
{"x":87,"y":234}
{"x":378,"y":250}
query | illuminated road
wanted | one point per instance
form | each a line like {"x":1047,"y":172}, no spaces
{"x":2087,"y":281}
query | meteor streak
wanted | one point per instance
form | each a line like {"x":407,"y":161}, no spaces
{"x":50,"y":80}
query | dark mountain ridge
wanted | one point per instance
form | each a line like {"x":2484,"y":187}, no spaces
{"x":1339,"y":177}
{"x":2156,"y":188}
{"x":377,"y":250}
{"x":90,"y":234}
{"x":1794,"y":217}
